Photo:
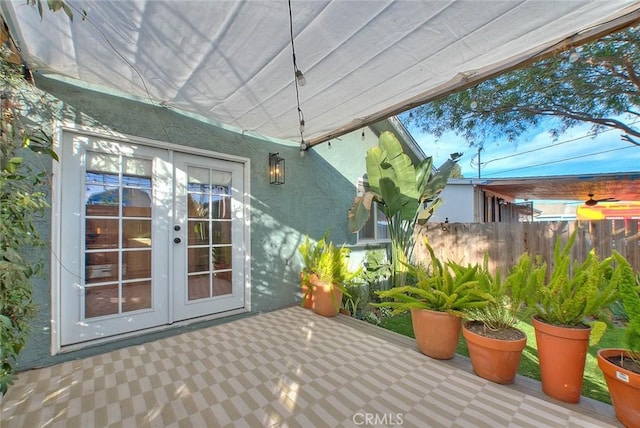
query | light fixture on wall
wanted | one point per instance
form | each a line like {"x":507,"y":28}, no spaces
{"x":276,"y":169}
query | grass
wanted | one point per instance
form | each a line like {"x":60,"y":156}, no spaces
{"x":594,"y":384}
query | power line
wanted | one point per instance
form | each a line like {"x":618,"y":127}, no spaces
{"x":562,"y":160}
{"x":555,"y":144}
{"x":538,"y":149}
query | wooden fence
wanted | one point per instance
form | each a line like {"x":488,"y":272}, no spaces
{"x":505,"y":242}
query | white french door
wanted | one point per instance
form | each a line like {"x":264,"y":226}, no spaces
{"x":148,"y":236}
{"x":207,"y":236}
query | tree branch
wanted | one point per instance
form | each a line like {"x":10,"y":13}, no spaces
{"x":630,"y":140}
{"x":568,"y":114}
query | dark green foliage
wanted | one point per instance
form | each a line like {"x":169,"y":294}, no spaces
{"x":374,"y":276}
{"x":405,"y":194}
{"x":20,"y":204}
{"x":376,"y":272}
{"x":23,"y":200}
{"x":445,"y":287}
{"x":600,"y":87}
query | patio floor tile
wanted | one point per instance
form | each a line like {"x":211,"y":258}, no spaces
{"x":287,"y":368}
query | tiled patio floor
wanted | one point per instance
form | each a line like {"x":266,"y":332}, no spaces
{"x":288,"y":368}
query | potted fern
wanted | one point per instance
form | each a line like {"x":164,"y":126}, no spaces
{"x":310,"y":253}
{"x":495,"y":344}
{"x":325,"y":275}
{"x":438,"y":297}
{"x":567,"y":308}
{"x":621,"y":367}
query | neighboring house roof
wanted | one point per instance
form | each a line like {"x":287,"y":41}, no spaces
{"x":231,"y":61}
{"x":393,"y":124}
{"x":624,"y":186}
{"x":560,"y":210}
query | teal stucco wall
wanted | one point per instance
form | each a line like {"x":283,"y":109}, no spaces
{"x":315,"y":198}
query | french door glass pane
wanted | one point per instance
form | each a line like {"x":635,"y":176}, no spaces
{"x":136,"y":296}
{"x":101,"y":300}
{"x":209,"y":233}
{"x":199,"y":286}
{"x":118,"y":195}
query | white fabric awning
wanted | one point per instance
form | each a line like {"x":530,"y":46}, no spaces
{"x":231,"y":61}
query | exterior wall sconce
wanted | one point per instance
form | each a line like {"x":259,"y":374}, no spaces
{"x":276,"y":169}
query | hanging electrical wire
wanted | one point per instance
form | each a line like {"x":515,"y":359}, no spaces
{"x":298,"y":80}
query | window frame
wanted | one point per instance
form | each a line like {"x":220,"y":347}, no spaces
{"x":373,"y":220}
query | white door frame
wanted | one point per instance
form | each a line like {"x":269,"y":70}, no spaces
{"x":56,"y":210}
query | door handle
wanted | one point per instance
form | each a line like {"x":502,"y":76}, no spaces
{"x":177,"y":240}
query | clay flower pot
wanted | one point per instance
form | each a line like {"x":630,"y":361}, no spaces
{"x":307,"y":295}
{"x":493,"y":359}
{"x":562,"y":352}
{"x":327,"y":299}
{"x":624,"y":387}
{"x":307,"y":298}
{"x":437,"y":333}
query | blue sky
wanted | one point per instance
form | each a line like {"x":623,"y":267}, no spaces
{"x":536,"y":154}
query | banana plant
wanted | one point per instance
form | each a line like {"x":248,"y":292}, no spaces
{"x":403,"y":192}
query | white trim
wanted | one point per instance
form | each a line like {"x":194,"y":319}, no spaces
{"x":361,"y":189}
{"x":111,"y":339}
{"x":56,"y":247}
{"x":131,"y":139}
{"x":169,"y":291}
{"x":247,"y":235}
{"x":56,"y":207}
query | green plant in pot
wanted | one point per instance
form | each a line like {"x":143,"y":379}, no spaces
{"x":438,"y":296}
{"x":325,"y":274}
{"x":621,"y":367}
{"x":495,"y":344}
{"x":310,"y":253}
{"x":567,"y":308}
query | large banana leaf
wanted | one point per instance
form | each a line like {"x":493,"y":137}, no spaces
{"x":360,"y":211}
{"x":403,"y":192}
{"x":392,"y":176}
{"x":397,"y":166}
{"x":436,"y":183}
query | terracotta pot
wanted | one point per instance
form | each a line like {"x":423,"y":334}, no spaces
{"x":496,"y":360}
{"x":624,"y":387}
{"x":437,"y":333}
{"x":562,"y":352}
{"x":307,"y":296}
{"x":327,"y":299}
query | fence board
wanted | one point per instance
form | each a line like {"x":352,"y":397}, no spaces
{"x":505,"y":242}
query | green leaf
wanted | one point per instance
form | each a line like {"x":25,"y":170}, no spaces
{"x":360,"y":212}
{"x":6,"y":321}
{"x":598,"y":329}
{"x":67,"y":11}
